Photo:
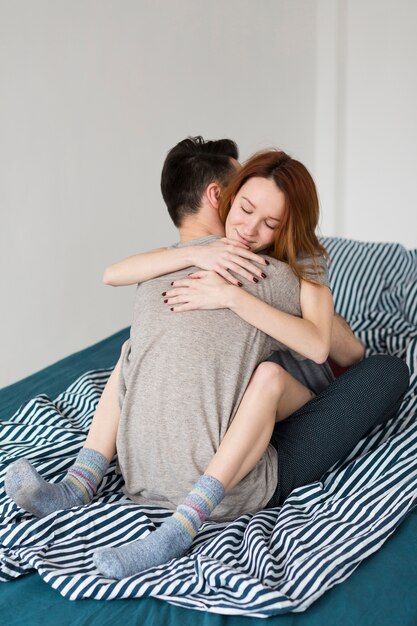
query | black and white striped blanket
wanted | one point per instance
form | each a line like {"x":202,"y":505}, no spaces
{"x":273,"y":562}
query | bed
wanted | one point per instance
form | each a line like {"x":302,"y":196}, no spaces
{"x":375,"y":289}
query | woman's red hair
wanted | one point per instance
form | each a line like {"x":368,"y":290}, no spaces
{"x":296,"y":236}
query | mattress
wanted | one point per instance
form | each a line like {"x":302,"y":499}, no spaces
{"x":380,"y":590}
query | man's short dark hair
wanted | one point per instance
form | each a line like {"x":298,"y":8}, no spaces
{"x":189,"y":168}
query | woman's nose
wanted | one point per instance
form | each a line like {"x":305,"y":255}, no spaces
{"x":250,"y":227}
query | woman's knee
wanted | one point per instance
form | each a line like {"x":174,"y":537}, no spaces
{"x":269,"y":374}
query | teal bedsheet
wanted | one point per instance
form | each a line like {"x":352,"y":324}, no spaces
{"x":382,"y":591}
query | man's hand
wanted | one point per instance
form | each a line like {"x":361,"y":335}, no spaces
{"x":224,"y":255}
{"x":203,"y":290}
{"x":345,"y":348}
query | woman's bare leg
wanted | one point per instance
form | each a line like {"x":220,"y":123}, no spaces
{"x":103,"y":429}
{"x":246,"y":439}
{"x":271,"y":396}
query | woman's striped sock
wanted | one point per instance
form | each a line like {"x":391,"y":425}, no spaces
{"x":171,"y":540}
{"x":34,"y":494}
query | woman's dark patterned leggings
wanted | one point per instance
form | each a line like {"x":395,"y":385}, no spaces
{"x":327,"y":428}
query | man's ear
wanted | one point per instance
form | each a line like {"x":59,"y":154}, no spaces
{"x":213,"y":192}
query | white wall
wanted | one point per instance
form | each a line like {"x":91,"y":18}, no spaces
{"x":381,"y":121}
{"x":95,"y":92}
{"x":366,"y":126}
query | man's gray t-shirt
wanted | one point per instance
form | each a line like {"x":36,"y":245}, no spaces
{"x":182,"y":378}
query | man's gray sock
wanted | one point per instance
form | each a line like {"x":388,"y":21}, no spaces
{"x":171,"y":540}
{"x":37,"y":496}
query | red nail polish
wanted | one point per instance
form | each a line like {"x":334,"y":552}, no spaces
{"x":239,"y":284}
{"x":172,"y":283}
{"x":263,"y":275}
{"x":255,"y":280}
{"x":267,"y":262}
{"x":165,"y":293}
{"x":165,"y":301}
{"x":172,"y":309}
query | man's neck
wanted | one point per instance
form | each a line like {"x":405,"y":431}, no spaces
{"x":195,"y":229}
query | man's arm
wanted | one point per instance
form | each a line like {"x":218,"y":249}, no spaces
{"x":345,"y":348}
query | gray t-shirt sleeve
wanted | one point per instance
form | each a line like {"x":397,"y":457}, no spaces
{"x":321,"y":275}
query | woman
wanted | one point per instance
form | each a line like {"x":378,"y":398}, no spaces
{"x":271,"y":206}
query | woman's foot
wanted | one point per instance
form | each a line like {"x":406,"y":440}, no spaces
{"x":37,"y":496}
{"x":166,"y":543}
{"x":171,"y":540}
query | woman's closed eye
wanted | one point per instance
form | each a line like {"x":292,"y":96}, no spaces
{"x":250,"y":213}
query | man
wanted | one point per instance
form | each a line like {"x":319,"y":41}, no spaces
{"x":172,"y":390}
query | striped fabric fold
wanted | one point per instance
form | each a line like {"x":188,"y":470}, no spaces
{"x":273,"y":562}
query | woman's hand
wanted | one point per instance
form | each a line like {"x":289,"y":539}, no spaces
{"x":202,"y":290}
{"x":223,"y":255}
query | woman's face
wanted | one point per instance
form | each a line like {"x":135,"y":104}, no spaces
{"x":256,"y":214}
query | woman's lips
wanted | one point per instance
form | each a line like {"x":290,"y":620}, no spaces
{"x":243,"y":239}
